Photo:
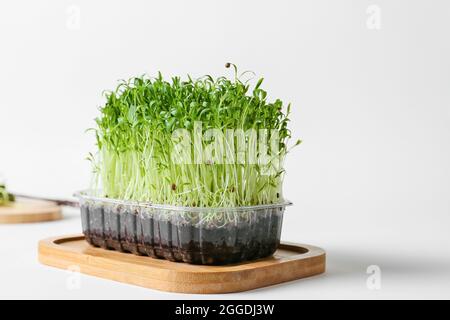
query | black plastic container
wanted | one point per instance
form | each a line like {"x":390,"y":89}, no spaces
{"x":208,"y":236}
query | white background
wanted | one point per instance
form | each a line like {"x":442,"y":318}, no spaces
{"x":370,"y":183}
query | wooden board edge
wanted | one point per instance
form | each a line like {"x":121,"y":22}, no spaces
{"x":48,"y":215}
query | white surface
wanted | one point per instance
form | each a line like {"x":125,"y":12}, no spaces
{"x":411,"y":266}
{"x":371,"y":183}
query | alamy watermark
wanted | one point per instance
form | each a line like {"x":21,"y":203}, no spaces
{"x":374,"y":280}
{"x":73,"y":17}
{"x":73,"y":281}
{"x":229,"y":146}
{"x":373,"y":21}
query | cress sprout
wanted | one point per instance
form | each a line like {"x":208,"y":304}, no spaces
{"x":135,"y":140}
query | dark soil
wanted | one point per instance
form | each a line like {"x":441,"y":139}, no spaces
{"x":117,"y":228}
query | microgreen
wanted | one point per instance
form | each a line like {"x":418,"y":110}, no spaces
{"x":135,"y":142}
{"x":5,"y":197}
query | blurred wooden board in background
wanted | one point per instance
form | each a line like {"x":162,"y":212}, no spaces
{"x":29,"y":211}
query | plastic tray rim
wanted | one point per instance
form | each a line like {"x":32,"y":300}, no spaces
{"x":87,"y":195}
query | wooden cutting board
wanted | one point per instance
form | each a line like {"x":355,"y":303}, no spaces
{"x":290,"y":262}
{"x":28,"y":211}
